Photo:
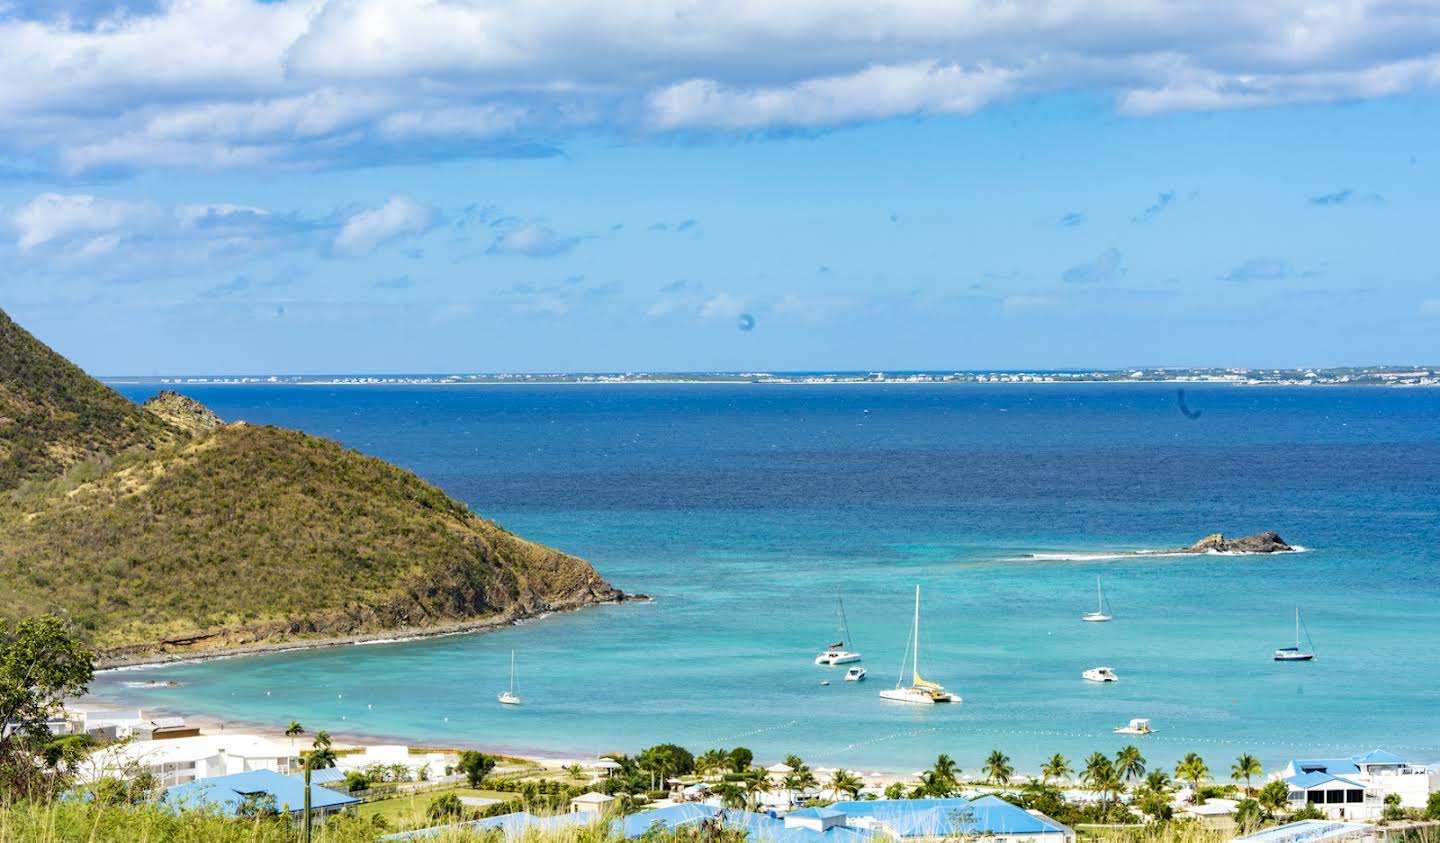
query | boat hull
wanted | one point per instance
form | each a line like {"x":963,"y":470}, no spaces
{"x":918,"y":697}
{"x":834,"y":658}
{"x":1095,"y":617}
{"x":1294,"y":657}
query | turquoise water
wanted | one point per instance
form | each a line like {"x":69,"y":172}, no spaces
{"x":743,"y":509}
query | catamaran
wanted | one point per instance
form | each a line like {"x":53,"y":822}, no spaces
{"x":921,"y":690}
{"x":836,"y":653}
{"x":510,"y":697}
{"x":1295,"y":654}
{"x":1101,"y":674}
{"x":1097,"y":616}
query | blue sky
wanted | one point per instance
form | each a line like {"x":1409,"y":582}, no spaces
{"x":343,"y":185}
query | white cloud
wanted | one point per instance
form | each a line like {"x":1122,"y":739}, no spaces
{"x":723,"y":306}
{"x":237,"y":83}
{"x":534,"y":240}
{"x":399,"y":217}
{"x":58,"y":216}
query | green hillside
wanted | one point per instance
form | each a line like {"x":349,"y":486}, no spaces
{"x":53,"y":415}
{"x":211,"y":535}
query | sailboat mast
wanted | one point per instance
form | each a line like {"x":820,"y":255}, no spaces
{"x":1099,"y":596}
{"x":1297,"y":627}
{"x":915,"y":665}
{"x":512,"y":671}
{"x":844,"y":623}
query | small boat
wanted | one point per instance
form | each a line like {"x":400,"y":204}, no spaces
{"x":836,"y":653}
{"x":855,"y":674}
{"x":510,"y":697}
{"x":1295,"y":654}
{"x":1101,"y":674}
{"x":1137,"y":726}
{"x":1099,"y":615}
{"x":921,"y":691}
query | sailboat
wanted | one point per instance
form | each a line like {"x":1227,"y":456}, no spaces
{"x":836,"y":653}
{"x":921,"y":690}
{"x":1295,"y":654}
{"x":510,"y":697}
{"x":1097,"y":616}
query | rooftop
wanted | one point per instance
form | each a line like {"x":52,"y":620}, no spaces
{"x":1307,"y":831}
{"x":225,"y":793}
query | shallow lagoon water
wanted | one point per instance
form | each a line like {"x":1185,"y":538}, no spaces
{"x":743,"y":509}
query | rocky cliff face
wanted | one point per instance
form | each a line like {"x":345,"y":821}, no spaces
{"x":182,"y":412}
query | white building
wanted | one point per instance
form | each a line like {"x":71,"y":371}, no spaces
{"x":180,"y":760}
{"x":590,"y":803}
{"x":1356,"y":787}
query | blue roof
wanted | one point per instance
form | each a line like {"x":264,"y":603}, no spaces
{"x":1378,"y":756}
{"x":947,"y":817}
{"x":816,"y":813}
{"x":672,"y":817}
{"x":225,"y":793}
{"x":1305,"y":781}
{"x":510,"y":825}
{"x":328,"y":775}
{"x":1327,"y":765}
{"x":1305,"y":831}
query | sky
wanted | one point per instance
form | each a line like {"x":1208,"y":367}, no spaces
{"x":332,"y":186}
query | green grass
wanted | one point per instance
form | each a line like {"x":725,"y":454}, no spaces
{"x":408,"y":811}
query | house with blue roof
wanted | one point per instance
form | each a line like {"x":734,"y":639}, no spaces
{"x":928,"y":819}
{"x":1355,"y":787}
{"x":233,"y":794}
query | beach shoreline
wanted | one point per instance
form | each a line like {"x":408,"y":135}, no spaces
{"x":142,"y":661}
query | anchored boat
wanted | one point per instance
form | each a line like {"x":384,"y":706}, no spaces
{"x":510,"y":697}
{"x":836,"y":653}
{"x":1099,"y":615}
{"x":921,"y":690}
{"x":1295,"y":654}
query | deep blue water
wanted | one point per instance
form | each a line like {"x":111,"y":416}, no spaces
{"x":743,"y":508}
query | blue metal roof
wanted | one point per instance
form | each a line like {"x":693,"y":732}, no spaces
{"x":672,"y":817}
{"x":947,"y":817}
{"x":1326,"y":765}
{"x":1306,"y":831}
{"x":816,"y":813}
{"x":1305,"y":781}
{"x":225,"y":793}
{"x":329,"y":775}
{"x":1378,"y":756}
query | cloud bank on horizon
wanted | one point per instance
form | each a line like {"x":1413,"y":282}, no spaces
{"x":324,"y":83}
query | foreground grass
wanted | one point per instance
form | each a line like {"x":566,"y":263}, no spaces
{"x":408,"y":810}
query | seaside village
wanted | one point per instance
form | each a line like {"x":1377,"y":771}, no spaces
{"x":421,"y":792}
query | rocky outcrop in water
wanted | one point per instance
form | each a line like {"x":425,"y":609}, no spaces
{"x":1267,"y":542}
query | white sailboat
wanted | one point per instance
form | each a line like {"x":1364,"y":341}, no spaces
{"x":1295,"y":654}
{"x":510,"y":697}
{"x":836,"y":653}
{"x":921,"y":690}
{"x":1097,"y":616}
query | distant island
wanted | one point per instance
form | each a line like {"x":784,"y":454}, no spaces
{"x":1267,"y":542}
{"x":161,"y":531}
{"x":1342,"y":376}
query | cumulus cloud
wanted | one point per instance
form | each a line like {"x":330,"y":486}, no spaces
{"x":1258,"y":269}
{"x":401,"y":216}
{"x":59,"y":217}
{"x":237,"y":83}
{"x":533,"y":240}
{"x":1105,"y":267}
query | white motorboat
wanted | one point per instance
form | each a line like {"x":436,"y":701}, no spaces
{"x":1101,"y":674}
{"x":836,"y":653}
{"x":1099,"y":615}
{"x":920,"y":691}
{"x":1137,"y":726}
{"x":1295,"y":654}
{"x":855,"y":674}
{"x":510,"y":697}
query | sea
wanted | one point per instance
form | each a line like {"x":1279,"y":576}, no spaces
{"x":744,"y":510}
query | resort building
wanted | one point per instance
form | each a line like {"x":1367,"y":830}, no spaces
{"x":260,"y":790}
{"x":590,"y":803}
{"x":848,"y":822}
{"x":177,"y":761}
{"x":1355,"y":787}
{"x":933,"y":819}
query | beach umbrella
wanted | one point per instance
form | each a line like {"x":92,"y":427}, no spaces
{"x":781,"y":769}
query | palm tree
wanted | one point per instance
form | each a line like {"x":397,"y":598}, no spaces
{"x":997,"y":768}
{"x":1246,"y":767}
{"x":755,"y":782}
{"x":1192,"y":769}
{"x":319,"y":758}
{"x":933,"y":785}
{"x":1158,"y":781}
{"x":847,"y":783}
{"x":1129,"y":763}
{"x":575,"y":771}
{"x":712,"y":760}
{"x":1109,"y":783}
{"x":1099,"y":772}
{"x":895,"y":790}
{"x":945,"y":768}
{"x":1058,"y":768}
{"x":293,"y":731}
{"x":731,"y":794}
